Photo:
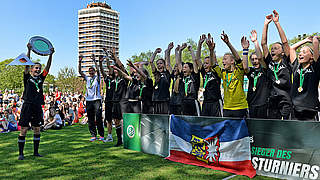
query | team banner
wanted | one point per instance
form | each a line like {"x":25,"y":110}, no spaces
{"x":285,"y":149}
{"x":281,"y":149}
{"x":155,"y":134}
{"x":131,"y":131}
{"x":217,"y":145}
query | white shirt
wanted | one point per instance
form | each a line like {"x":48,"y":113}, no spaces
{"x":93,"y":88}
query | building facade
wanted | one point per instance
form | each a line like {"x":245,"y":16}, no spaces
{"x":98,"y":28}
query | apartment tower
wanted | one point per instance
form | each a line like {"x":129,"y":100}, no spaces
{"x":98,"y":29}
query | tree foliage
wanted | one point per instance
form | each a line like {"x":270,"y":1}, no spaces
{"x":11,"y":77}
{"x":68,"y":80}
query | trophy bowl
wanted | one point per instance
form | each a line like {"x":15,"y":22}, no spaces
{"x":40,"y":45}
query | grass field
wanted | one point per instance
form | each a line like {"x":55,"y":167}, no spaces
{"x":68,"y":154}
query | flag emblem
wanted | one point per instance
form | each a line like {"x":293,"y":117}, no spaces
{"x":206,"y":150}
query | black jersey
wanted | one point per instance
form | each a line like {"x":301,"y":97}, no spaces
{"x":147,"y":91}
{"x":119,"y":85}
{"x":306,"y":97}
{"x":109,"y":89}
{"x":161,"y":86}
{"x":176,"y":97}
{"x":258,"y":92}
{"x":211,"y":85}
{"x":191,"y":86}
{"x":33,"y":88}
{"x":281,"y":85}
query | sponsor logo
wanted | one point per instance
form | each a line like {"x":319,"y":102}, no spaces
{"x":130,"y":131}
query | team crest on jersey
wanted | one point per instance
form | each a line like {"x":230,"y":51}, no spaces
{"x":272,"y":67}
{"x":207,"y":150}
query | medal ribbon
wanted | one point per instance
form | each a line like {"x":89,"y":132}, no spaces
{"x":109,"y":83}
{"x":117,"y":83}
{"x":141,"y":89}
{"x":36,"y":83}
{"x":275,"y":71}
{"x":301,"y":77}
{"x":255,"y":79}
{"x":91,"y":82}
{"x":205,"y":81}
{"x":228,"y":81}
{"x":186,"y":83}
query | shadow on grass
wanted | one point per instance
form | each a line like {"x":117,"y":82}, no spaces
{"x":68,"y":154}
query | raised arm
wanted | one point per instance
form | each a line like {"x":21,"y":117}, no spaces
{"x":283,"y":37}
{"x":211,"y":46}
{"x":79,"y":67}
{"x":198,"y":55}
{"x":194,"y":59}
{"x":178,"y":59}
{"x":95,"y":64}
{"x":124,"y":75}
{"x":104,"y":75}
{"x":117,"y":60}
{"x":264,"y":44}
{"x":167,"y":57}
{"x":153,"y":67}
{"x":143,"y":76}
{"x":182,"y":47}
{"x":225,"y":39}
{"x":294,"y":47}
{"x":254,"y":39}
{"x":107,"y":59}
{"x":47,"y":68}
{"x":315,"y":47}
{"x":245,"y":45}
{"x":27,"y":68}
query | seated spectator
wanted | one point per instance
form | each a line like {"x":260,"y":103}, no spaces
{"x":55,"y":123}
{"x":84,"y":119}
{"x":4,"y":123}
{"x":75,"y":113}
{"x":68,"y":114}
{"x":13,"y":124}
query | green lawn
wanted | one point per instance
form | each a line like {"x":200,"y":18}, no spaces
{"x":68,"y":154}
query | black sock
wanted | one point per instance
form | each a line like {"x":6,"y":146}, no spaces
{"x":118,"y":131}
{"x":36,"y":142}
{"x":21,"y":142}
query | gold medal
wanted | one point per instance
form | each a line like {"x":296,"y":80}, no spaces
{"x":38,"y":90}
{"x":109,"y":87}
{"x":156,"y":87}
{"x":300,"y":89}
{"x":254,"y":89}
{"x":278,"y":81}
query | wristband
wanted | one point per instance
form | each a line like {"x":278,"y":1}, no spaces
{"x":245,"y":52}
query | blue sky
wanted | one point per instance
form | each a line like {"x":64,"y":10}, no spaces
{"x":148,"y":24}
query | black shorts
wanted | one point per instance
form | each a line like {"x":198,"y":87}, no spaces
{"x":190,"y":107}
{"x":161,"y":107}
{"x":108,"y":111}
{"x":118,"y":108}
{"x":31,"y":113}
{"x":258,"y":111}
{"x":134,"y":107}
{"x":175,"y":109}
{"x":305,"y":115}
{"x":211,"y":109}
{"x":239,"y":113}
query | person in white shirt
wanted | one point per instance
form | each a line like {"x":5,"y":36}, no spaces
{"x":93,"y":100}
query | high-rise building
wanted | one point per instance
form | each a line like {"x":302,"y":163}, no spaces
{"x":98,"y":29}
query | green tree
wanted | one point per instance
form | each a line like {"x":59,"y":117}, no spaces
{"x":68,"y":80}
{"x":11,"y":77}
